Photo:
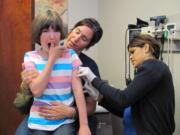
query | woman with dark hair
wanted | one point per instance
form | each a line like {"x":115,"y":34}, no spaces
{"x":147,"y":105}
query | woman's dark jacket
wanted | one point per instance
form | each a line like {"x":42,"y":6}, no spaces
{"x":151,"y":96}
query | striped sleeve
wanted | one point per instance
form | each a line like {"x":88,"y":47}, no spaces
{"x":76,"y":62}
{"x":28,"y":63}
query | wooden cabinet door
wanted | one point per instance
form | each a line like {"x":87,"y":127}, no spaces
{"x":15,"y":39}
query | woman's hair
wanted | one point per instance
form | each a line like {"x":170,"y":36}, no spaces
{"x":94,"y":26}
{"x":43,"y":21}
{"x":142,"y":39}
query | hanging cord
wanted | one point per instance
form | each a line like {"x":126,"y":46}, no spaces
{"x":168,"y":49}
{"x":127,"y":73}
{"x":171,"y":44}
{"x":162,"y":45}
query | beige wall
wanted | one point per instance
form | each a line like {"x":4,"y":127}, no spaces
{"x":79,"y":9}
{"x":115,"y":15}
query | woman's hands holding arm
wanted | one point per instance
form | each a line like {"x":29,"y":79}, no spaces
{"x":27,"y":76}
{"x":57,"y":110}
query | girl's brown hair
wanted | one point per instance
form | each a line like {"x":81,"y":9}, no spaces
{"x":43,"y":21}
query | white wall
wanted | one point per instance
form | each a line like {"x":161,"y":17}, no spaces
{"x":79,"y":9}
{"x":115,"y":15}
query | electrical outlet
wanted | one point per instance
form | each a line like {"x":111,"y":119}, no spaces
{"x":174,"y":30}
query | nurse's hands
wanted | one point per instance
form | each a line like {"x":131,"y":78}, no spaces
{"x":85,"y":72}
{"x":91,"y":90}
{"x":87,"y":75}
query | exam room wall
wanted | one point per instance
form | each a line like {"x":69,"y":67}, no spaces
{"x":115,"y":15}
{"x":79,"y":9}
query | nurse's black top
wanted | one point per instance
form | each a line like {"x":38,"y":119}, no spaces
{"x":150,"y":95}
